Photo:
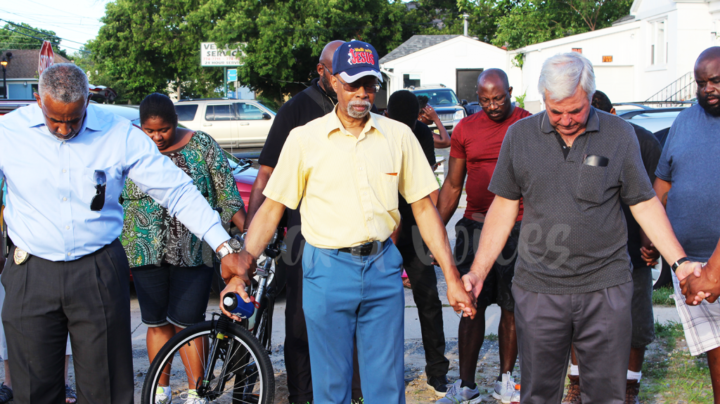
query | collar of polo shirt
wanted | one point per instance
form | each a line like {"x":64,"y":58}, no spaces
{"x":593,"y":123}
{"x":333,"y":124}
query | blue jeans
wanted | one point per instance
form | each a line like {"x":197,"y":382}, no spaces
{"x":346,"y":296}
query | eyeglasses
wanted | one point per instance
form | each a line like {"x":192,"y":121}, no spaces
{"x":490,"y":102}
{"x":98,"y":200}
{"x":351,"y":88}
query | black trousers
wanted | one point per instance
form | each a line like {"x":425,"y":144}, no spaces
{"x":297,"y":352}
{"x":90,"y":299}
{"x":425,"y":292}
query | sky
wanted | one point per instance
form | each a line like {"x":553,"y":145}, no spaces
{"x":76,"y":21}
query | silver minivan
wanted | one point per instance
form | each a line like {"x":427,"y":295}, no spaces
{"x":232,"y":123}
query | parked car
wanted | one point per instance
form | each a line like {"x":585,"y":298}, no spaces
{"x":652,"y":119}
{"x":232,"y":123}
{"x":445,"y":102}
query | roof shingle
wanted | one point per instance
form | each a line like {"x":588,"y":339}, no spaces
{"x":24,"y":63}
{"x":414,"y":44}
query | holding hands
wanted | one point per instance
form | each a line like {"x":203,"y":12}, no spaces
{"x":700,"y":282}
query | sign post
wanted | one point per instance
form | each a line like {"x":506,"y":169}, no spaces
{"x":47,"y":57}
{"x":211,"y":55}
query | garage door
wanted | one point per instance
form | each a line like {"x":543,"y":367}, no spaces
{"x":616,"y":81}
{"x":467,"y":84}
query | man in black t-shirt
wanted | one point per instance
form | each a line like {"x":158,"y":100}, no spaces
{"x":403,"y":107}
{"x":315,"y":101}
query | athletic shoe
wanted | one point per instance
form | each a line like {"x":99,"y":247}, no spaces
{"x":439,"y":385}
{"x":360,"y":400}
{"x":573,"y":391}
{"x":504,"y":387}
{"x":163,"y":395}
{"x":193,"y":398}
{"x":631,"y":392}
{"x":460,"y":395}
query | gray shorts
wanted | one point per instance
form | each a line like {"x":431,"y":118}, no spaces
{"x":498,"y":284}
{"x":643,"y":323}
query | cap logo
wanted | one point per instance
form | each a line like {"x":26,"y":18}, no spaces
{"x":361,"y":55}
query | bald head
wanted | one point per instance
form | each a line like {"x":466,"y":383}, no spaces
{"x":324,"y":67}
{"x":326,"y":57}
{"x":707,"y":77}
{"x":494,"y":77}
{"x":494,"y":92}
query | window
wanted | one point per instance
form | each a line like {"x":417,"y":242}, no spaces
{"x":248,"y":111}
{"x":219,"y":113}
{"x":658,"y":43}
{"x":411,"y":80}
{"x":186,"y":112}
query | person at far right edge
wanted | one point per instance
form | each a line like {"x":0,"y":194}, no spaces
{"x":688,"y":185}
{"x":571,"y":165}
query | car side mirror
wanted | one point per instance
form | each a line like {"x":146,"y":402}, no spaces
{"x":266,"y":115}
{"x":464,"y":102}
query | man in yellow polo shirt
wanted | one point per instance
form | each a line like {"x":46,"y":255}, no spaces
{"x":348,"y":167}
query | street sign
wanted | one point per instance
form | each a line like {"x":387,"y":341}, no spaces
{"x":47,"y":57}
{"x":211,"y":55}
{"x":232,"y":75}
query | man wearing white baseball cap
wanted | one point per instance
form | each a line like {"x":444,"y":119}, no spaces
{"x":347,"y":167}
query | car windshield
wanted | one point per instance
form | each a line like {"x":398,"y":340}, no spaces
{"x":439,"y":97}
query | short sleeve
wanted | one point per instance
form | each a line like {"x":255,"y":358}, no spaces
{"x":503,"y":182}
{"x":664,"y":167}
{"x":416,"y":177}
{"x":287,"y":182}
{"x":635,"y":184}
{"x":457,"y":143}
{"x":285,"y":121}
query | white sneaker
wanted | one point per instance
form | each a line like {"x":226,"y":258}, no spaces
{"x":460,"y":395}
{"x":504,"y":388}
{"x":163,"y":395}
{"x":193,"y":398}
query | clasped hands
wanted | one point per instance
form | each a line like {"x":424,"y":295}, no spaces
{"x":699,"y":282}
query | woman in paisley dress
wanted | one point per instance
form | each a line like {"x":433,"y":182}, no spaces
{"x":171,"y":278}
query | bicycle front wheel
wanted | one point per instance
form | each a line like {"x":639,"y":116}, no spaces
{"x":223,"y":363}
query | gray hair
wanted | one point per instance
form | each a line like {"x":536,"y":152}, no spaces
{"x":64,"y":82}
{"x":561,"y":74}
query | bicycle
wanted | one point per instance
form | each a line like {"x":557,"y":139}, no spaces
{"x":234,"y":355}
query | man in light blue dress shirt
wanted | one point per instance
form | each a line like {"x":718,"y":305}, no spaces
{"x":65,"y":162}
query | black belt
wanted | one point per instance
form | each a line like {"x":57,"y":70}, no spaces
{"x":364,"y":250}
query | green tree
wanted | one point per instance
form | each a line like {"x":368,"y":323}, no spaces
{"x":13,"y":36}
{"x":285,"y":38}
{"x":153,"y":46}
{"x":529,"y":22}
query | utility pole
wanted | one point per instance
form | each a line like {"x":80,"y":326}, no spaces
{"x":465,"y":24}
{"x":225,"y":81}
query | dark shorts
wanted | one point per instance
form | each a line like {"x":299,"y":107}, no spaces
{"x":498,"y":284}
{"x":170,"y":294}
{"x":643,"y":323}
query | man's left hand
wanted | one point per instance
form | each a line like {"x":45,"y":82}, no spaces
{"x":460,"y":300}
{"x":241,"y":264}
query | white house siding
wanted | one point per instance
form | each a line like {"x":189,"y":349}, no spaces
{"x":438,"y":64}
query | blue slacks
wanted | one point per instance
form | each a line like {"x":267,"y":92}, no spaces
{"x":346,"y":295}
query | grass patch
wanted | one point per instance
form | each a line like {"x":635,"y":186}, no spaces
{"x":663,"y":296}
{"x":491,"y":337}
{"x":670,"y":373}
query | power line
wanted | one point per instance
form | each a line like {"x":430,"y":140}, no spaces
{"x":39,"y":32}
{"x":50,"y":23}
{"x":42,"y":39}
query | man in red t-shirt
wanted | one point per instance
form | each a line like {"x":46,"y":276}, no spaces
{"x":475,"y":146}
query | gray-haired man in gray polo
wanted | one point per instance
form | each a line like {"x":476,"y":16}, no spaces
{"x":572,"y":165}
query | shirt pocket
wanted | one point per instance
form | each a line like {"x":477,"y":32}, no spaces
{"x":389,"y":192}
{"x":114,"y":183}
{"x":592,"y":183}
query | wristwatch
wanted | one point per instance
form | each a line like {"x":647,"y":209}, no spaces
{"x":231,"y":246}
{"x":679,"y":262}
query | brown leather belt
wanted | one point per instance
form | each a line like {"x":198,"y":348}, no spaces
{"x":363,"y":250}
